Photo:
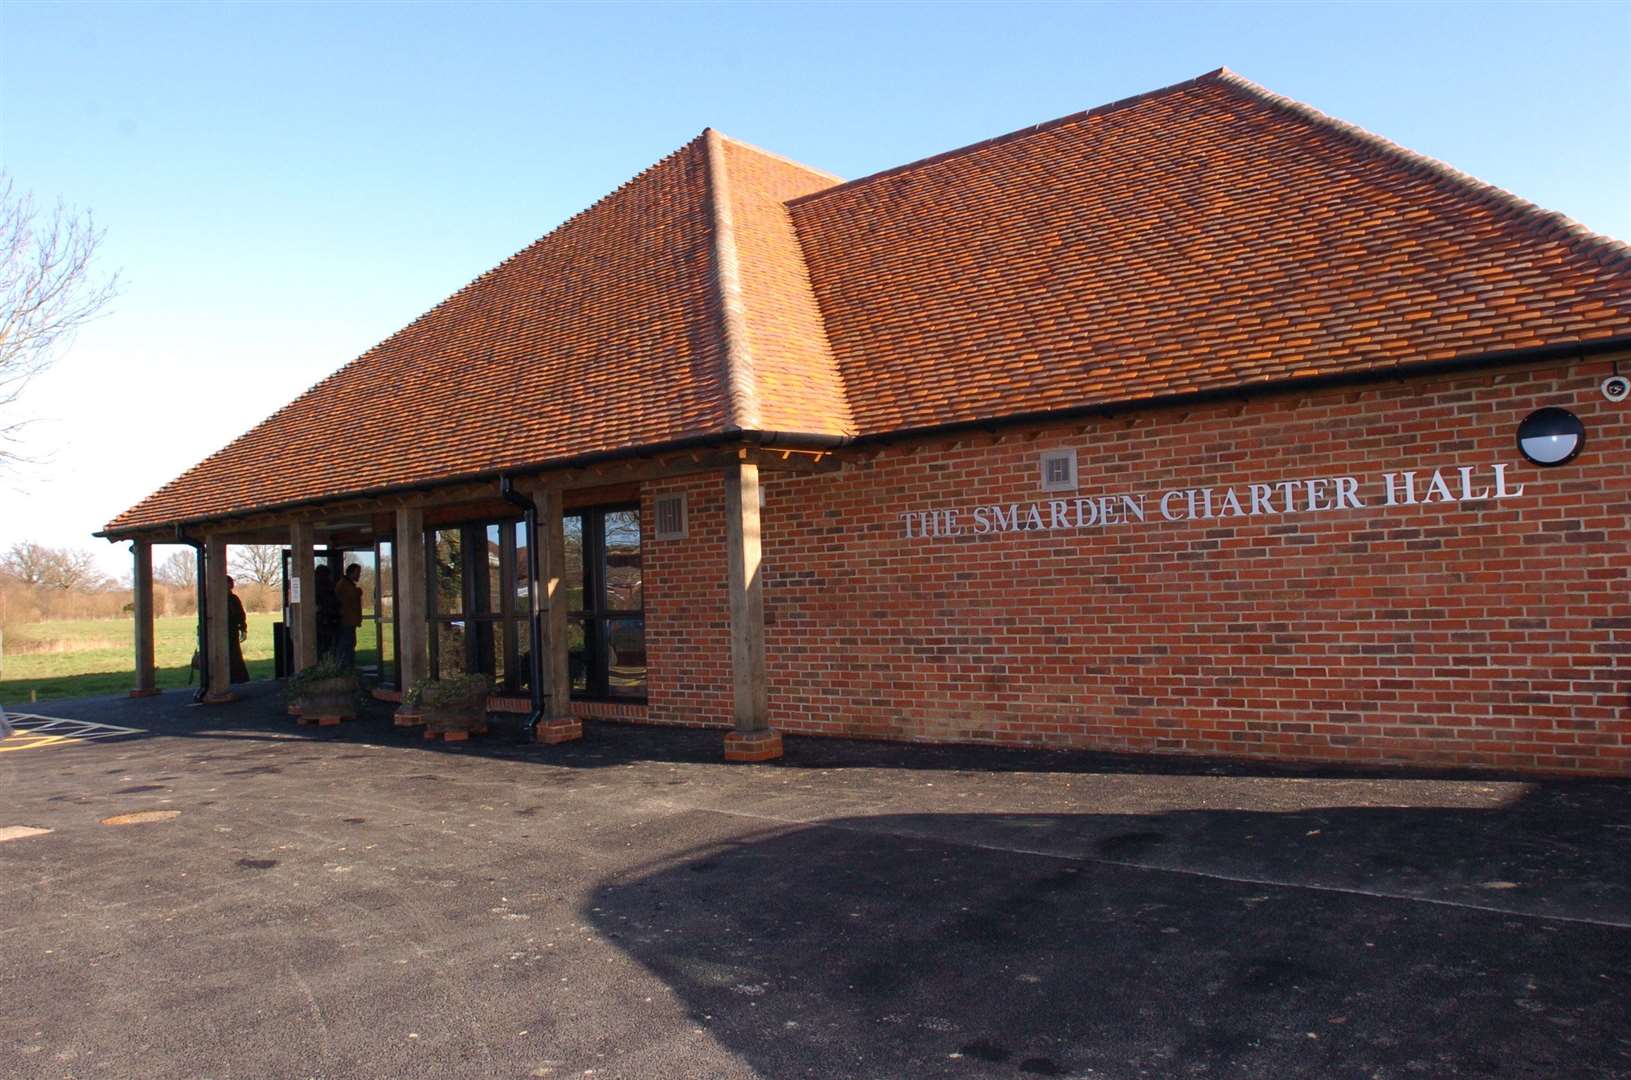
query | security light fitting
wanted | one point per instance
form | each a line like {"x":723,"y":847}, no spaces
{"x":1551,"y":436}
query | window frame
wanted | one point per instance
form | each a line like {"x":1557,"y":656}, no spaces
{"x":596,"y":616}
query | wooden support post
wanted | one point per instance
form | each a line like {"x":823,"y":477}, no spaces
{"x":557,"y":725}
{"x":303,"y":595}
{"x":412,"y":612}
{"x":753,"y":740}
{"x":141,"y":580}
{"x":219,"y":661}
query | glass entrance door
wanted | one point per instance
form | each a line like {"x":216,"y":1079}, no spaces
{"x":479,"y":594}
{"x":607,"y":626}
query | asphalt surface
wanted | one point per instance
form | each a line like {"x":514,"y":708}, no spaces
{"x":354,"y":902}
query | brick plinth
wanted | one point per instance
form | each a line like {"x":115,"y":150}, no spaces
{"x":220,"y":697}
{"x":407,"y":716}
{"x":558,"y":730}
{"x":753,"y":745}
{"x":149,"y":692}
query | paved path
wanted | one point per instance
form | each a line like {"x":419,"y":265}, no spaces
{"x":349,"y":902}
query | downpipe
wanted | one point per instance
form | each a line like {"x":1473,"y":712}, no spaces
{"x":535,"y":655}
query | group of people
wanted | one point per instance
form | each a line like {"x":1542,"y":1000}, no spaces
{"x":339,"y":613}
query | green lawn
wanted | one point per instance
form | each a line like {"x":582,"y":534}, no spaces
{"x":89,"y":657}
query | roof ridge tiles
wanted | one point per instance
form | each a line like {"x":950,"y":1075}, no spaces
{"x":1607,"y":250}
{"x":740,"y":387}
{"x":1118,"y":105}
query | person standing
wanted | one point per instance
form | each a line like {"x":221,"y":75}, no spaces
{"x":237,"y":632}
{"x":328,"y":612}
{"x":350,"y":597}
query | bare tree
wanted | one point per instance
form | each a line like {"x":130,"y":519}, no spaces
{"x":67,"y":569}
{"x":179,"y":570}
{"x":46,"y":293}
{"x":258,"y":564}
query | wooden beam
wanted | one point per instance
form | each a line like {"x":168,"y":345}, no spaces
{"x":219,"y":662}
{"x":412,"y":613}
{"x":752,"y":739}
{"x":557,"y":724}
{"x":141,"y":580}
{"x":749,"y":689}
{"x":254,"y":527}
{"x":303,"y":584}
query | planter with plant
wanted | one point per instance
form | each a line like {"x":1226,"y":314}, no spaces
{"x":453,"y":709}
{"x":324,"y":693}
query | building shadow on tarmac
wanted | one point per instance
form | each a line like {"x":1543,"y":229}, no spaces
{"x":946,"y":945}
{"x":1185,"y":917}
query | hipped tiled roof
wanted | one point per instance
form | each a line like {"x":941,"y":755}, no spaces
{"x":1206,"y":236}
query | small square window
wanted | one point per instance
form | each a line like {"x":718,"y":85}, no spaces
{"x":1059,"y":470}
{"x":671,"y":516}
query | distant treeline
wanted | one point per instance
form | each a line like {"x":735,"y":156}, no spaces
{"x":40,"y":583}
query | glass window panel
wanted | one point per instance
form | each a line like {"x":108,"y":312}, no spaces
{"x":623,"y":588}
{"x":572,"y":528}
{"x":447,"y":557}
{"x":365,"y":581}
{"x":495,"y":575}
{"x":626,"y":657}
{"x":450,"y":649}
{"x":522,"y":630}
{"x":499,"y":630}
{"x":387,"y":572}
{"x":368,"y":646}
{"x":577,"y":653}
{"x":523,"y":570}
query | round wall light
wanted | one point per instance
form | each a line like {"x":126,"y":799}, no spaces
{"x":1551,"y":436}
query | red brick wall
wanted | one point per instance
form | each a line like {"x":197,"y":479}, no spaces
{"x":1475,"y":633}
{"x":688,"y":648}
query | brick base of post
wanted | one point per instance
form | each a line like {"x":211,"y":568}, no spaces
{"x":407,"y":716}
{"x":558,"y":730}
{"x":149,"y":691}
{"x":219,"y":697}
{"x":753,"y":745}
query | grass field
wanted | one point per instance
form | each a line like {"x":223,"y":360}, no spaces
{"x":91,"y":657}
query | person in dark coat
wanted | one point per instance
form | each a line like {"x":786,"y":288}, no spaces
{"x":350,"y":598}
{"x":328,"y":612}
{"x":237,"y":631}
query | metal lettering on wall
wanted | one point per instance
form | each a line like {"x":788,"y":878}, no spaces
{"x":1322,"y":494}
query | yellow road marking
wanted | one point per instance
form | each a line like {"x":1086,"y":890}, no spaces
{"x":24,"y":741}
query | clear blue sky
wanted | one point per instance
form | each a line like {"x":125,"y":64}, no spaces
{"x":284,"y":185}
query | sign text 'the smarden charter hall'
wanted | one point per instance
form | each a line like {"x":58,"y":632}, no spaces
{"x":1322,"y":494}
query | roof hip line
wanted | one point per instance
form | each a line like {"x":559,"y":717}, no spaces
{"x":741,"y":391}
{"x":1607,"y":250}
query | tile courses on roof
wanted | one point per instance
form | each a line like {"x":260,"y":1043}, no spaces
{"x":1209,"y":235}
{"x":1204,"y":237}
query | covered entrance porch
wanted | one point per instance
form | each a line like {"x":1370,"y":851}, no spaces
{"x":537,"y":582}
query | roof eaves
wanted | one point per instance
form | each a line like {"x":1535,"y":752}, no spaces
{"x":1607,"y":250}
{"x":740,"y":386}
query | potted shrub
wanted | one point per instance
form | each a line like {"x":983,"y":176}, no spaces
{"x":324,"y":693}
{"x":452,"y":708}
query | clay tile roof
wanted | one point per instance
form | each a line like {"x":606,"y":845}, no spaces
{"x":675,"y":308}
{"x":1207,"y":236}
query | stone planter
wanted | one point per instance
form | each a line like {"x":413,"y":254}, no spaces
{"x":456,"y":720}
{"x":328,"y":701}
